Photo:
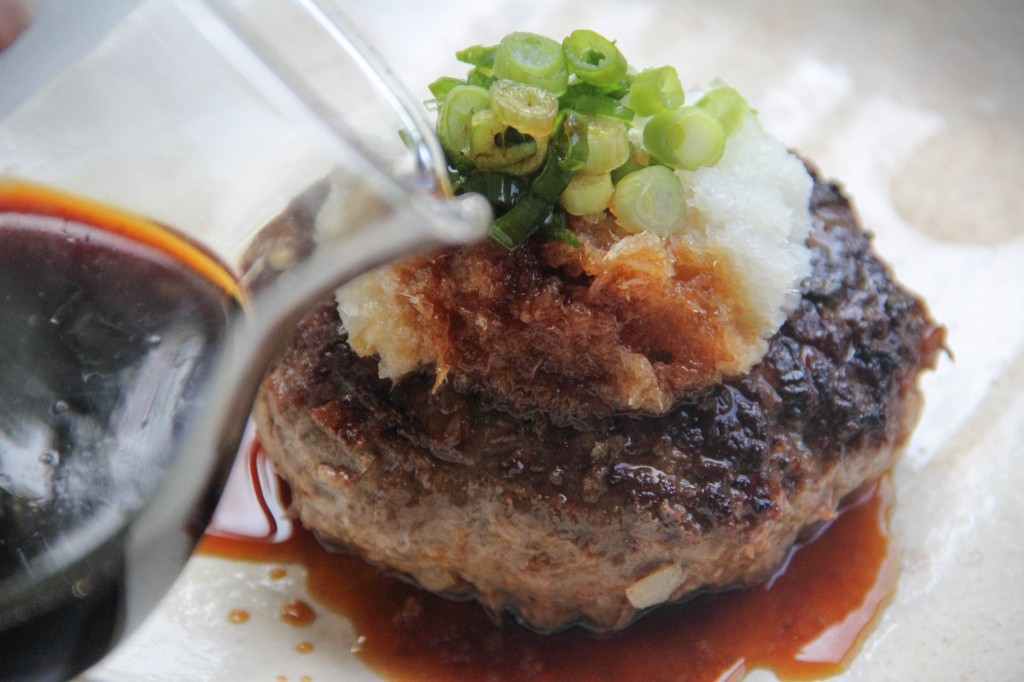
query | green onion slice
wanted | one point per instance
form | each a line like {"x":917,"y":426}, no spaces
{"x":533,"y":163}
{"x":542,"y":129}
{"x":602,"y":105}
{"x":587,"y":194}
{"x":527,"y":108}
{"x":566,"y":154}
{"x":455,"y":122}
{"x":554,"y":227}
{"x":594,"y":58}
{"x":571,"y":136}
{"x":687,"y":138}
{"x":650,"y":199}
{"x":480,"y":78}
{"x":482,"y":59}
{"x":727,"y":105}
{"x":494,"y":146}
{"x":655,"y":91}
{"x":607,"y":143}
{"x":526,"y":217}
{"x":631,"y":166}
{"x":443,"y":85}
{"x":478,"y":55}
{"x":532,"y":59}
{"x":501,"y":189}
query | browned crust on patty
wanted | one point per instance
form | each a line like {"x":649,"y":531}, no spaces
{"x":556,"y":521}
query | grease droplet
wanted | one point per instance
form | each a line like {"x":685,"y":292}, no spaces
{"x":304,"y":647}
{"x":298,"y":614}
{"x":238,"y":616}
{"x":278,"y":573}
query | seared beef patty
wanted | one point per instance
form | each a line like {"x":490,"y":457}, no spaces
{"x":594,"y":521}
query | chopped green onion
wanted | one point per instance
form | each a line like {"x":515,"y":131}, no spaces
{"x":554,"y":227}
{"x":619,"y":90}
{"x":482,"y":59}
{"x":571,"y":136}
{"x":533,"y":163}
{"x":566,"y":154}
{"x":602,"y":105}
{"x":650,"y":199}
{"x":455,"y":122}
{"x":594,"y":58}
{"x":688,"y":138}
{"x":532,"y":59}
{"x":480,"y":78}
{"x":655,"y":91}
{"x":587,"y":194}
{"x":590,"y":99}
{"x":486,"y":133}
{"x":478,"y":55}
{"x":500,"y":189}
{"x":443,"y":85}
{"x":525,"y":218}
{"x":527,"y":108}
{"x":608,"y":145}
{"x":492,"y":147}
{"x":540,"y":147}
{"x":727,"y":105}
{"x":631,"y":166}
{"x":578,"y":88}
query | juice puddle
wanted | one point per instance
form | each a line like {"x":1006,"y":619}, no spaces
{"x":805,"y":624}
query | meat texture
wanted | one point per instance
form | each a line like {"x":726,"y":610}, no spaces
{"x":596,"y":519}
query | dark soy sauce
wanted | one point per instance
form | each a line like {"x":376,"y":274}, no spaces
{"x":108,"y":328}
{"x":807,"y":623}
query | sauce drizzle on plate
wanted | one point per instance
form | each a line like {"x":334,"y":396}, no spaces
{"x":805,"y":623}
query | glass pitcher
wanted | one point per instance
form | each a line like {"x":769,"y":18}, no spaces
{"x":285,"y":159}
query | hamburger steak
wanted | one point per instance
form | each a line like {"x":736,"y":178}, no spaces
{"x":593,"y":519}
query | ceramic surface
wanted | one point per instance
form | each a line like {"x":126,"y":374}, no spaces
{"x":916,"y":107}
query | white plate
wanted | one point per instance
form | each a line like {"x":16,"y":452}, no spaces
{"x":917,"y":109}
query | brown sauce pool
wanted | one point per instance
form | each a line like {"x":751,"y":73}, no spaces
{"x":807,"y":623}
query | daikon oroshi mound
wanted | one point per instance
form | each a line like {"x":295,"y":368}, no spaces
{"x":753,"y":208}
